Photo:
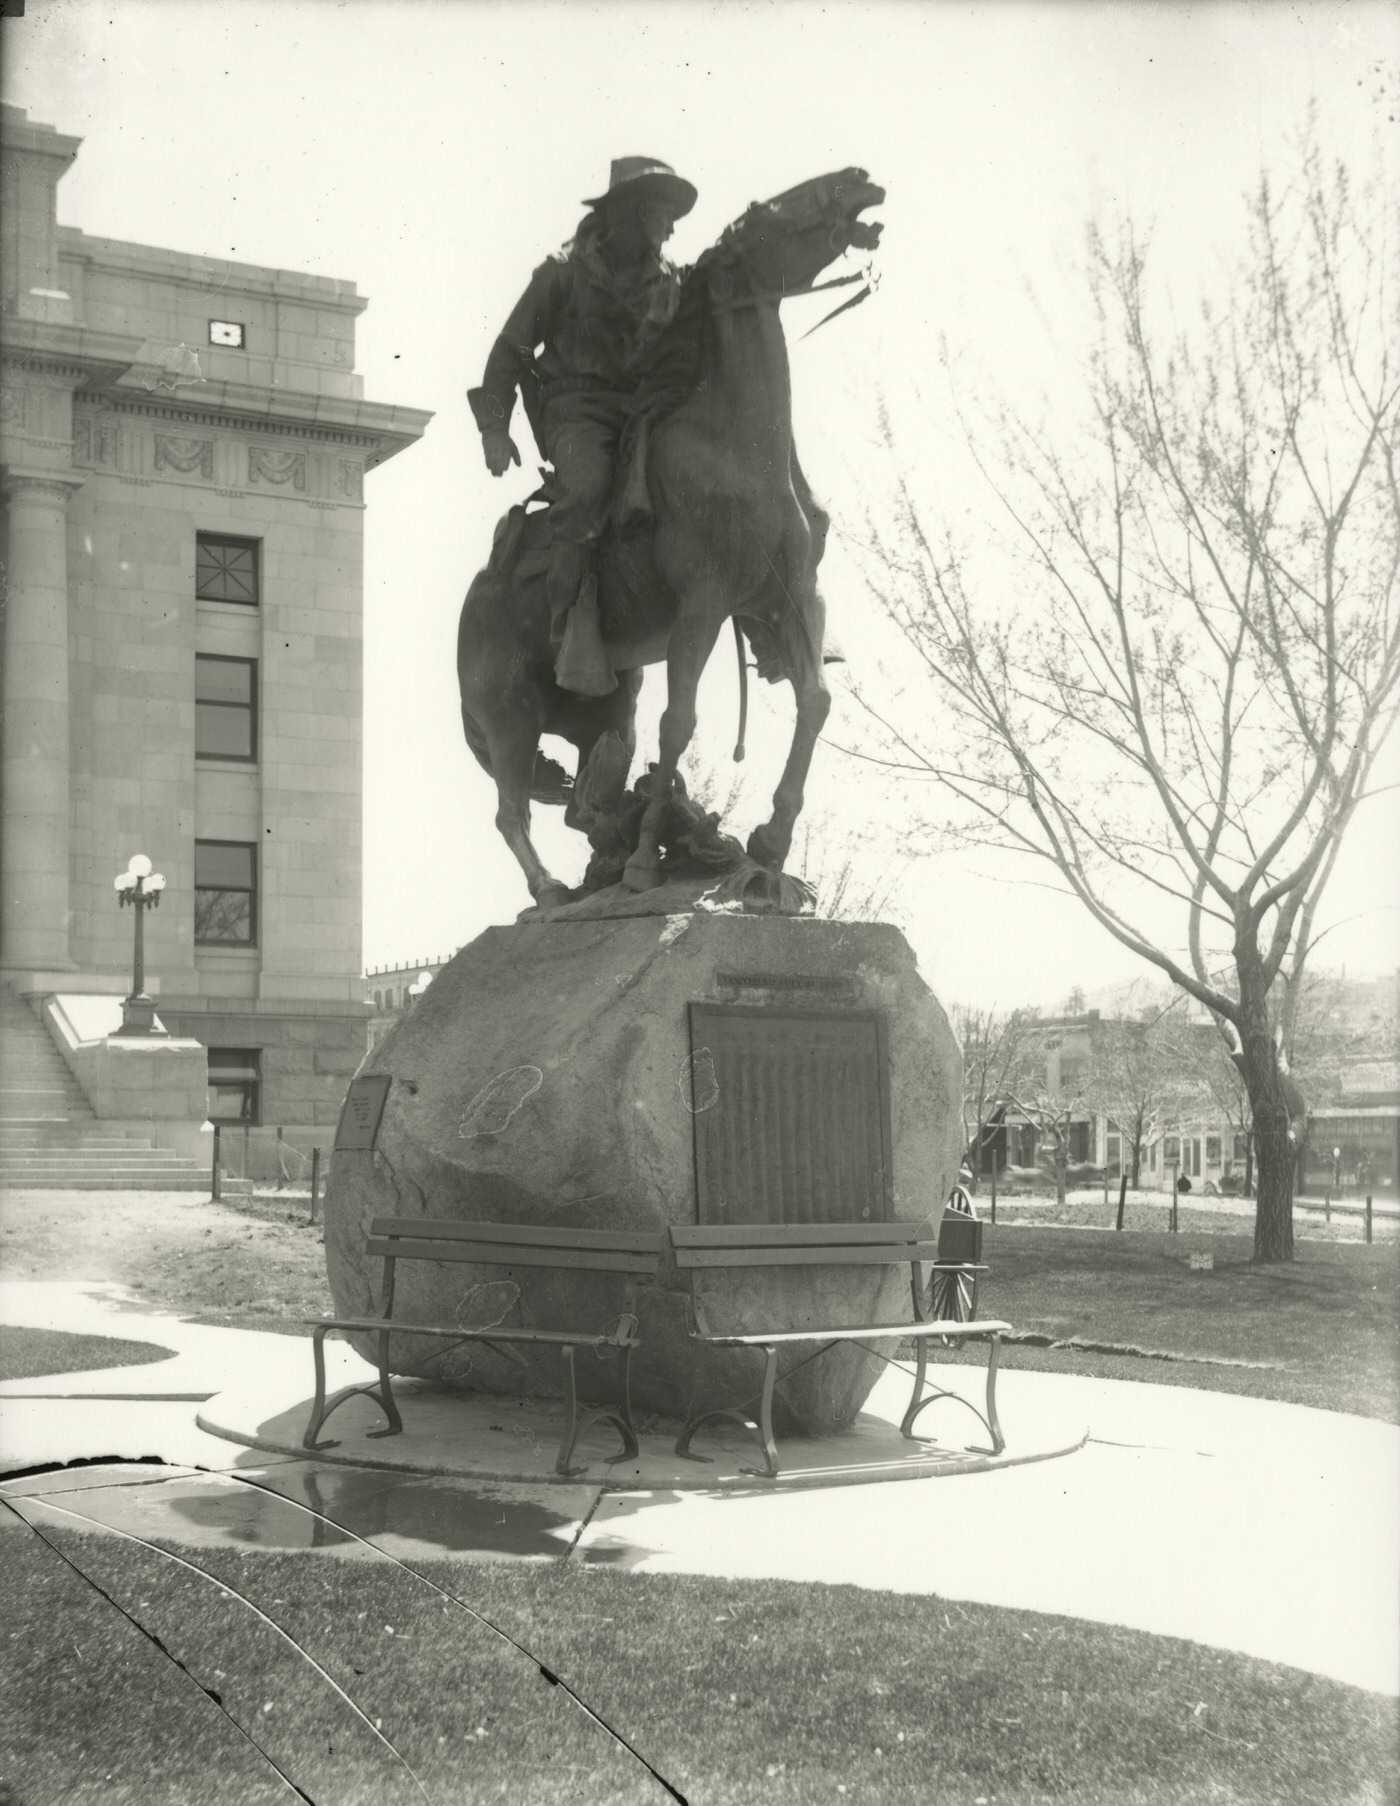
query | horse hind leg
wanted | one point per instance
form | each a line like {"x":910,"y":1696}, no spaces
{"x":514,"y":770}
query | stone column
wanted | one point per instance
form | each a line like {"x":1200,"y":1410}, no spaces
{"x":34,"y":855}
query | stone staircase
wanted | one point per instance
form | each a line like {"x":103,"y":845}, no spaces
{"x":49,"y":1135}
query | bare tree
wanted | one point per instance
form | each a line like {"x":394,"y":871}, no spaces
{"x":992,"y":1042}
{"x":1139,"y":1066}
{"x":1179,"y":710}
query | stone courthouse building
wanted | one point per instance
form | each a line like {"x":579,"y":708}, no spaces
{"x":184,"y":448}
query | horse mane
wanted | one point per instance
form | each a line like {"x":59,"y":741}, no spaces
{"x":677,"y":359}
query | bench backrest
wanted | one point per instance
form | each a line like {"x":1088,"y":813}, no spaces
{"x":702,"y":1249}
{"x":633,"y":1251}
{"x":801,"y":1244}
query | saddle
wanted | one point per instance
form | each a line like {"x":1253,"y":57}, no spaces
{"x":522,"y":542}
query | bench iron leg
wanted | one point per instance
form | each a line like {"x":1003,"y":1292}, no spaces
{"x":762,"y":1428}
{"x":575,"y":1425}
{"x":906,"y":1427}
{"x":321,"y":1407}
{"x":998,"y":1440}
{"x":989,"y":1422}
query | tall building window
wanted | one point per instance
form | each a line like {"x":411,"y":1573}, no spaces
{"x":225,"y":707}
{"x":225,"y":569}
{"x":234,"y":1086}
{"x":225,"y":893}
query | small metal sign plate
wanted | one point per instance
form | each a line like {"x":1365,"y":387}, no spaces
{"x":361,"y":1111}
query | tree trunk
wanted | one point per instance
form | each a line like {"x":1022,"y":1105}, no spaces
{"x":1061,"y":1188}
{"x":1273,"y":1209}
{"x":1270,"y":1117}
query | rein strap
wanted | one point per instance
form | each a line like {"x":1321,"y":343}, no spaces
{"x":812,"y":288}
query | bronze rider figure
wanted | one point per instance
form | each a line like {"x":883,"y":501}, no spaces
{"x":580,"y":345}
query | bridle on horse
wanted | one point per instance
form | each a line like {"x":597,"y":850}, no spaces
{"x":866,"y":275}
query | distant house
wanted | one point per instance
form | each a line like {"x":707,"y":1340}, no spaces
{"x":1192,"y":1129}
{"x":390,"y":990}
{"x":1353,"y":1145}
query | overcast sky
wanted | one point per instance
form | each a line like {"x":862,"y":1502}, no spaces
{"x":432,"y":151}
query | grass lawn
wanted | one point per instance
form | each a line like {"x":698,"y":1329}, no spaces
{"x":769,"y":1691}
{"x":25,"y":1353}
{"x":1319,"y":1331}
{"x":763,"y":1691}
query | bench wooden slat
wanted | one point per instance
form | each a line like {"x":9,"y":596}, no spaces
{"x":490,"y":1333}
{"x":946,"y":1327}
{"x":500,"y":1254}
{"x":449,"y":1229}
{"x":786,"y":1235}
{"x":806,"y":1255}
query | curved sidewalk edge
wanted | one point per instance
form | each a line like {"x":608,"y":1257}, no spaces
{"x":460,"y":1435}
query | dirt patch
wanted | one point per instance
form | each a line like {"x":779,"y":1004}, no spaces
{"x":256,"y":1267}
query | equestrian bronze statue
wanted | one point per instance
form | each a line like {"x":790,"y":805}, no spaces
{"x":701,"y":515}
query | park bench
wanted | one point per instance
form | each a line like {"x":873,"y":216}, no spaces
{"x":631,"y":1254}
{"x":703,"y":1251}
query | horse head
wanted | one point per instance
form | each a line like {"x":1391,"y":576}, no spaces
{"x":786,"y":242}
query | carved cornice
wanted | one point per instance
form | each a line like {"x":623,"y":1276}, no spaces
{"x":45,"y":364}
{"x":233,"y":422}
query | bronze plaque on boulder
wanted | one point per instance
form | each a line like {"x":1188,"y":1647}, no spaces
{"x":361,"y":1111}
{"x":792,"y":1115}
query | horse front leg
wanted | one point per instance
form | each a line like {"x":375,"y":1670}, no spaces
{"x":692,"y":641}
{"x":771,"y":843}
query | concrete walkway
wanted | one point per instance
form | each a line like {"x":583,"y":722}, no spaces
{"x":1245,"y":1525}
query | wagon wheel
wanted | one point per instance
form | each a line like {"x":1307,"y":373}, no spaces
{"x":950,"y":1298}
{"x":953,"y":1294}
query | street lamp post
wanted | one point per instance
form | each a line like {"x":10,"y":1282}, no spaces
{"x":140,"y":887}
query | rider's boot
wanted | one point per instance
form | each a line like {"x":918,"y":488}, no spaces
{"x":582,"y":665}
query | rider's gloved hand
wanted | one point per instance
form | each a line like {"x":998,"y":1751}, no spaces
{"x":500,"y":450}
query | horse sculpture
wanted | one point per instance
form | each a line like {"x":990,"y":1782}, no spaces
{"x":736,"y":535}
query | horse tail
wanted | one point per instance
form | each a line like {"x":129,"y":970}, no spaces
{"x":743,"y":691}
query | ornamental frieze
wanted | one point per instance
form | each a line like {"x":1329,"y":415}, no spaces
{"x":352,"y":479}
{"x":267,"y":466}
{"x":97,"y":441}
{"x":185,"y":455}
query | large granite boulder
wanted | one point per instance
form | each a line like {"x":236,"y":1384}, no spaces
{"x":555,"y":1073}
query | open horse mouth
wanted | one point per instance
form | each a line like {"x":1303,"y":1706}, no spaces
{"x":854,"y":195}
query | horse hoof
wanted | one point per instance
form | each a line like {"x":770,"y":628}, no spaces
{"x":763,"y":849}
{"x":641,"y":874}
{"x":552,"y":896}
